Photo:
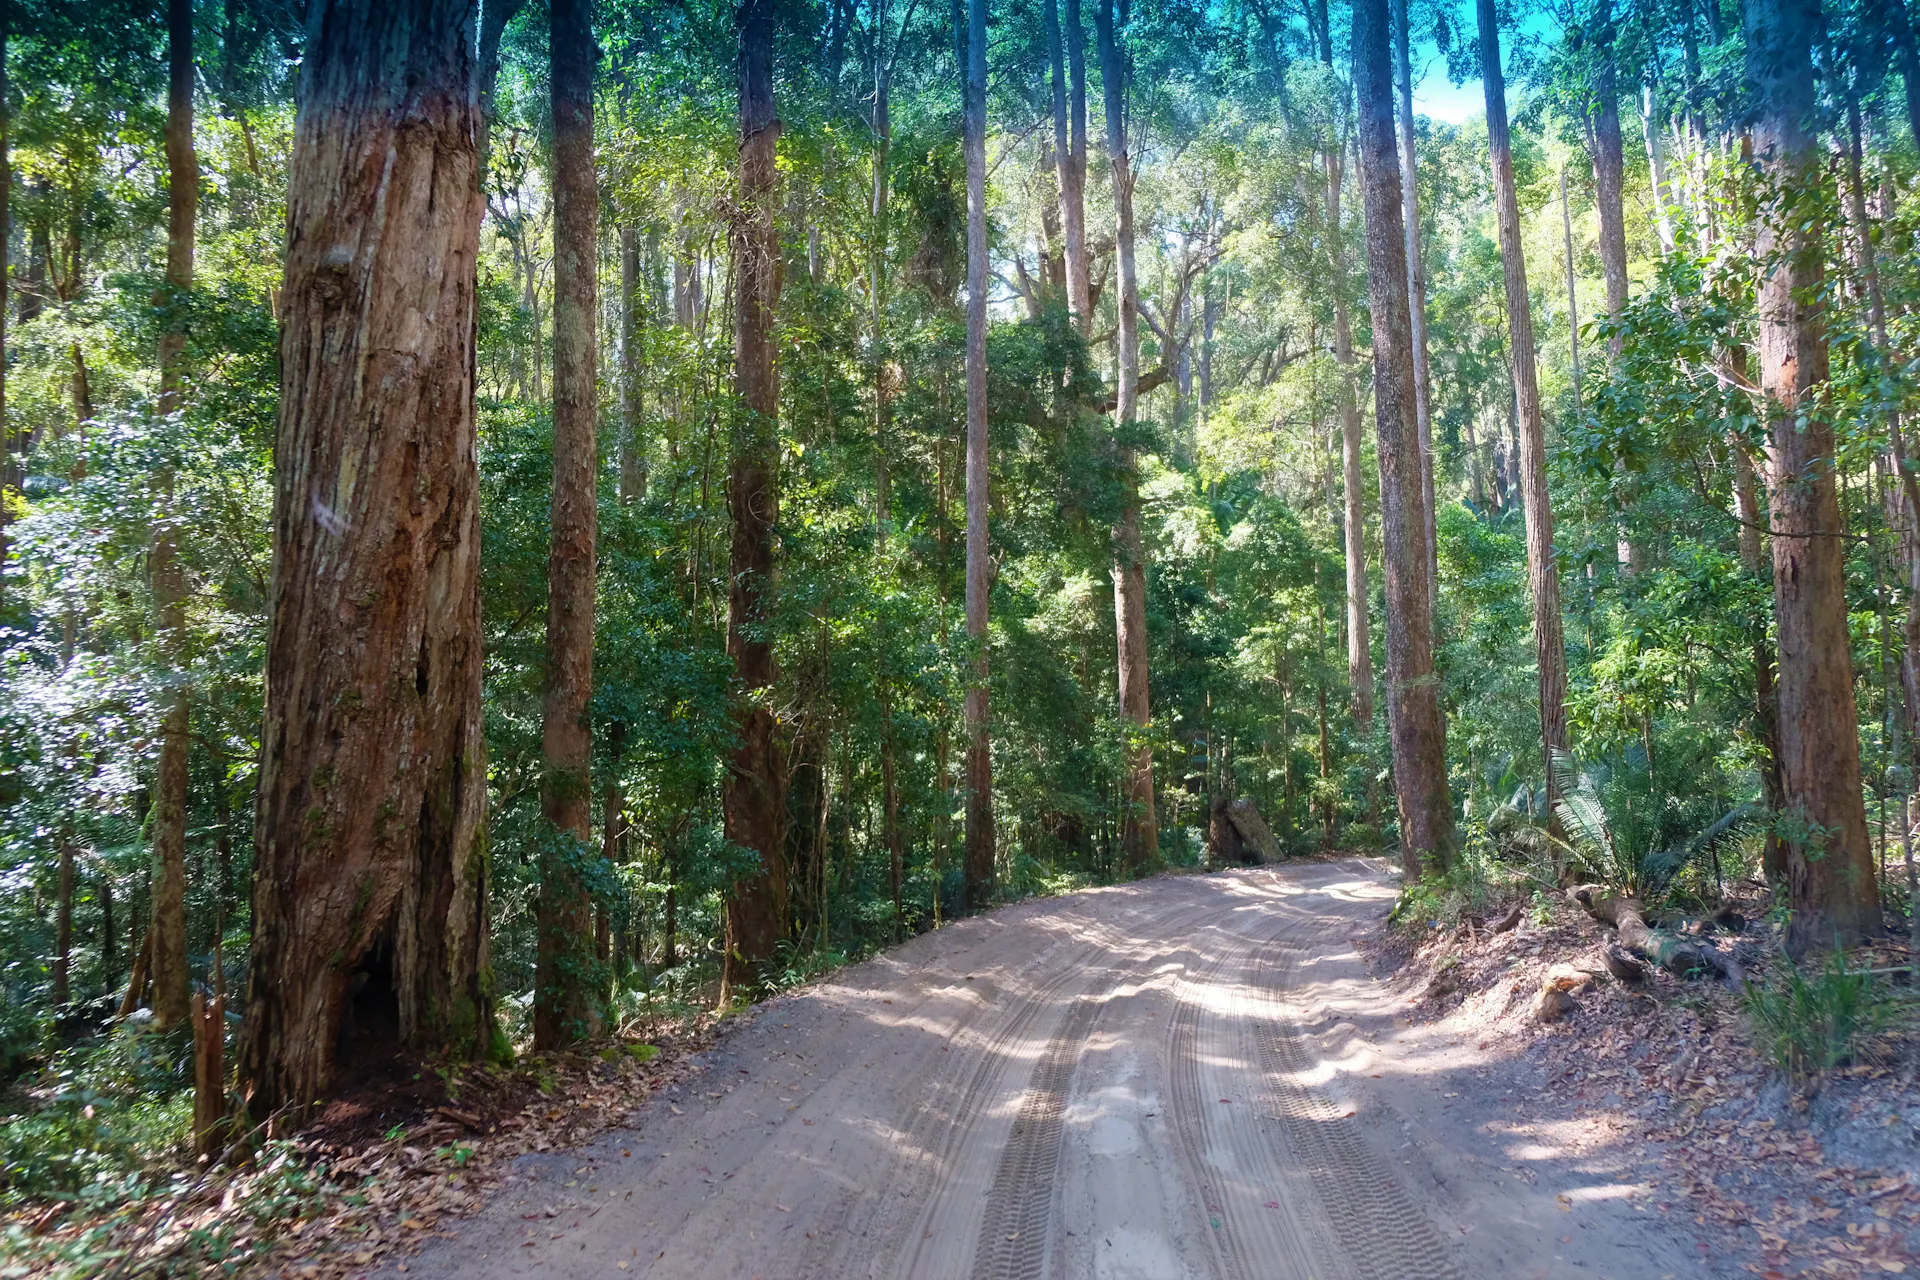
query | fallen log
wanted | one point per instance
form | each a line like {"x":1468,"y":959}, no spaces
{"x":1669,"y":951}
{"x":1621,"y":965}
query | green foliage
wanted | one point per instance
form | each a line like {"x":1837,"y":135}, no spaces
{"x":1240,"y":489}
{"x":1810,"y":1025}
{"x":101,"y":1113}
{"x":1637,"y":827}
{"x":1439,"y":901}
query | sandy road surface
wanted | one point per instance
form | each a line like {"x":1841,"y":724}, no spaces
{"x":1187,"y":1077}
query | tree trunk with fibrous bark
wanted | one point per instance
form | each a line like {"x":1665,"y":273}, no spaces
{"x":1427,"y":836}
{"x":171,"y":981}
{"x":980,"y":842}
{"x":371,"y":868}
{"x":755,"y":800}
{"x":567,"y":1004}
{"x":1830,"y":874}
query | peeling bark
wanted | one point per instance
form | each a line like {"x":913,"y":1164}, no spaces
{"x":371,"y":863}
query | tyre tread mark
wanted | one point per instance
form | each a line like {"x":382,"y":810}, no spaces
{"x":1383,"y":1233}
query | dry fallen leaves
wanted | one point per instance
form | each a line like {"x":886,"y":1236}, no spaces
{"x":320,"y":1211}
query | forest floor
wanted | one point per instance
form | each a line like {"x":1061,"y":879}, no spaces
{"x":1187,"y":1076}
{"x":1752,"y":1176}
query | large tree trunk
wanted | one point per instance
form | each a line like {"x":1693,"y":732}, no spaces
{"x":372,"y":800}
{"x":755,"y":800}
{"x":1543,"y":573}
{"x":1830,"y":879}
{"x":1416,"y":282}
{"x":1427,"y":836}
{"x":1766,"y":718}
{"x":171,"y":982}
{"x":1070,"y":148}
{"x":1140,"y":835}
{"x":979,"y":858}
{"x":1354,"y":515}
{"x":566,"y":1003}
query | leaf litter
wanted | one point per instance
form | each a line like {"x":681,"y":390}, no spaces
{"x":1771,"y":1179}
{"x":342,"y":1197}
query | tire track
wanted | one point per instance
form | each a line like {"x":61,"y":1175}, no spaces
{"x":930,"y":1130}
{"x":874,"y":1228}
{"x":1381,"y":1232}
{"x":1249,"y":1231}
{"x":1016,"y":1184}
{"x":1013,"y":1232}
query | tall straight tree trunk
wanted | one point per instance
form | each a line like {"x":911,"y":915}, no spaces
{"x":1070,"y":147}
{"x":171,"y":983}
{"x":1830,"y":879}
{"x":1359,"y":637}
{"x":1609,"y":192}
{"x":1573,"y":298}
{"x":1140,"y":833}
{"x":1354,"y":515}
{"x":372,"y":799}
{"x":882,"y":127}
{"x":1543,"y":574}
{"x":979,"y":857}
{"x":1416,"y":281}
{"x":633,"y":452}
{"x":1427,"y":836}
{"x":566,"y":1003}
{"x":755,"y":801}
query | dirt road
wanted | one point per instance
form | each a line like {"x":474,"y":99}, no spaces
{"x":1191,"y":1076}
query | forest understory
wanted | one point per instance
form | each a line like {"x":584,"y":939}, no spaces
{"x":539,"y":537}
{"x":1758,"y":1170}
{"x":1654,"y":1100}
